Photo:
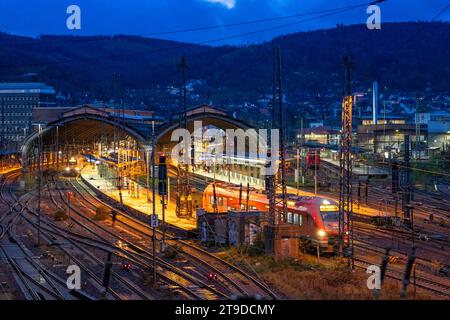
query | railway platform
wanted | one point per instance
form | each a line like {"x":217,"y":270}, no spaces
{"x":139,"y":202}
{"x":360,"y":170}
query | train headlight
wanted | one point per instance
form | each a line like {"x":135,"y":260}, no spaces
{"x":321,"y":233}
{"x":67,"y":169}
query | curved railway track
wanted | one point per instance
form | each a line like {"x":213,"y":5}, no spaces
{"x":56,"y":238}
{"x":241,"y":282}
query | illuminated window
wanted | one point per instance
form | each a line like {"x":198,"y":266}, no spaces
{"x":289,"y":217}
{"x":297,"y":219}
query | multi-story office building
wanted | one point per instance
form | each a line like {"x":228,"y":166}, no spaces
{"x":17,"y":101}
{"x":438,"y":124}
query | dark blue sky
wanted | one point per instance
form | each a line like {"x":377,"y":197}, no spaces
{"x":35,"y":17}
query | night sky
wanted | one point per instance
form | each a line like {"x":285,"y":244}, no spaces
{"x":36,"y":17}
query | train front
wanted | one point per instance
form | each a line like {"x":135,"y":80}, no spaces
{"x":327,"y":224}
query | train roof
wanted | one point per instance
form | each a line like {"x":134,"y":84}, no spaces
{"x":229,"y":189}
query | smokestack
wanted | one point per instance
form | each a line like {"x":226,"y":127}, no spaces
{"x":375,"y":103}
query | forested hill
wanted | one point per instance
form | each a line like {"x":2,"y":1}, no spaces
{"x":407,"y":56}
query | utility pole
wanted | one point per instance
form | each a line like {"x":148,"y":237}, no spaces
{"x":315,"y":172}
{"x":302,"y":141}
{"x":184,"y":197}
{"x":247,"y":197}
{"x":359,"y":193}
{"x":153,"y":204}
{"x":276,"y":181}
{"x":57,"y":150}
{"x":407,"y":183}
{"x":240,"y":196}
{"x":407,"y":273}
{"x":297,"y":173}
{"x":279,"y":203}
{"x":345,"y":167}
{"x":107,"y":274}
{"x":395,"y":184}
{"x":2,"y":142}
{"x":39,"y":184}
{"x":162,"y":186}
{"x":215,"y":209}
{"x":117,"y":89}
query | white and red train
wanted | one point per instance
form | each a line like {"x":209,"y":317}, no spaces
{"x":316,"y":218}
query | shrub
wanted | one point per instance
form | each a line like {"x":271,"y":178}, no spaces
{"x":171,"y":252}
{"x":61,"y":215}
{"x":102,"y":213}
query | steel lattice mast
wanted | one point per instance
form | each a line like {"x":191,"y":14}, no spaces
{"x":184,"y":197}
{"x":345,"y":244}
{"x":278,"y":203}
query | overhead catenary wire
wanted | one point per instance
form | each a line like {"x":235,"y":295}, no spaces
{"x":189,"y":30}
{"x":176,"y":47}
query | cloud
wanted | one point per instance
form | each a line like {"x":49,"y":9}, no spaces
{"x":226,"y":3}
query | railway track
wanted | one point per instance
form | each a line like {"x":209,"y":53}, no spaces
{"x":423,"y":283}
{"x":35,"y":282}
{"x":137,"y":252}
{"x":244,"y":283}
{"x":56,"y":238}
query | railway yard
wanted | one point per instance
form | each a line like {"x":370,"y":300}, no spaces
{"x":38,"y":249}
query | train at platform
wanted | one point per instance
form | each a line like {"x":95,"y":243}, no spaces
{"x":316,"y":219}
{"x":72,"y":168}
{"x":313,"y":159}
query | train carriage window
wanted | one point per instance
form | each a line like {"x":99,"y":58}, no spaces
{"x":289,"y":217}
{"x":297,"y":219}
{"x":220,"y":201}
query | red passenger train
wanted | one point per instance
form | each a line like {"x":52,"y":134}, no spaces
{"x":313,"y":158}
{"x":316,"y":218}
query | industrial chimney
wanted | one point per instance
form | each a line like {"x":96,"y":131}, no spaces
{"x":375,"y":103}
